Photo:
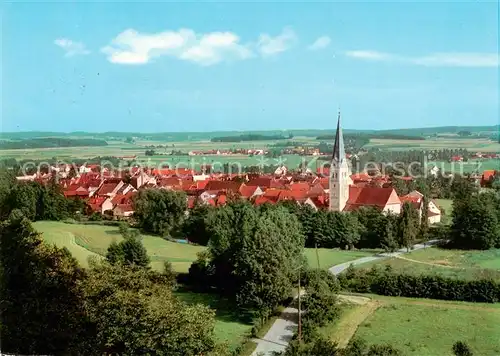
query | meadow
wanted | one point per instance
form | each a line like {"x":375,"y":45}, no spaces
{"x":458,"y":264}
{"x":430,"y":328}
{"x":418,"y":327}
{"x":471,"y":144}
{"x":84,"y":241}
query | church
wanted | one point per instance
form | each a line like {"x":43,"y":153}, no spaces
{"x":344,"y":195}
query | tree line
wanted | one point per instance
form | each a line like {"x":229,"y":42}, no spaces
{"x":47,"y":142}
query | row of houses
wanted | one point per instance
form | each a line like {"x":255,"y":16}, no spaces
{"x":106,"y":194}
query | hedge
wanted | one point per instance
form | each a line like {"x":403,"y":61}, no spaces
{"x":432,"y":287}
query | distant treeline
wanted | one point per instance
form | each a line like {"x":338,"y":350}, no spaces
{"x":47,"y":142}
{"x":250,"y":137}
{"x":387,"y":136}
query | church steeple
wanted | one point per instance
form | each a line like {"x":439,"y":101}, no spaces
{"x":338,"y":146}
{"x":339,"y":173}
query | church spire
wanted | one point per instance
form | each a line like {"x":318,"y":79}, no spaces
{"x":338,"y":146}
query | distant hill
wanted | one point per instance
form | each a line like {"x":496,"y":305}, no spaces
{"x":49,"y":142}
{"x":192,"y":136}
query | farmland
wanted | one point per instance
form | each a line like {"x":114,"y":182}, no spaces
{"x":420,"y":327}
{"x":119,"y":148}
{"x":459,"y":264}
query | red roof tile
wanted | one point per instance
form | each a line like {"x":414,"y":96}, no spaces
{"x":370,"y":196}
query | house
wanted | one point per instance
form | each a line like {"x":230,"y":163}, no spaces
{"x":384,"y":199}
{"x":123,"y":211}
{"x":417,"y":200}
{"x":487,"y":177}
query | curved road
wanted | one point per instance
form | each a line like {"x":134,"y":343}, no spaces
{"x":281,"y":332}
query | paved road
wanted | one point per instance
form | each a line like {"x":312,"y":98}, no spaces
{"x":281,"y":332}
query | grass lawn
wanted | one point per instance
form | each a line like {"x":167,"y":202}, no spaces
{"x":93,"y":240}
{"x":331,"y":257}
{"x":231,"y":325}
{"x":419,"y":327}
{"x":451,"y":263}
{"x":432,"y":328}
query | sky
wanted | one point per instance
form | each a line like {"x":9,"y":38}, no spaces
{"x":209,"y":66}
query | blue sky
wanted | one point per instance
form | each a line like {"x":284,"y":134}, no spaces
{"x":227,"y":66}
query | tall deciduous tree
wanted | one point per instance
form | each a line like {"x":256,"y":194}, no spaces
{"x":160,"y":211}
{"x":476,"y":222}
{"x":408,"y":225}
{"x":135,"y":313}
{"x":42,"y":305}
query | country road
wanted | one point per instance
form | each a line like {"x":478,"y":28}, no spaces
{"x":281,"y":332}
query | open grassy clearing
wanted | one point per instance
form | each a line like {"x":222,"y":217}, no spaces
{"x":332,"y":257}
{"x":429,"y":330}
{"x":90,"y":240}
{"x":449,"y":263}
{"x":419,"y":327}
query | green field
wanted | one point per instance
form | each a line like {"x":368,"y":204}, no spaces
{"x":418,"y":327}
{"x":332,"y":257}
{"x":93,"y":240}
{"x":430,"y":328}
{"x":450,"y":263}
{"x":471,"y":144}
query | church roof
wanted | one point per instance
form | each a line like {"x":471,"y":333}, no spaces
{"x":338,"y":147}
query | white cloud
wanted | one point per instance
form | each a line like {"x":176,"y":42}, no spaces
{"x":132,"y":47}
{"x":370,"y":55}
{"x":268,"y":45}
{"x":320,"y":43}
{"x":70,"y":47}
{"x":432,"y":60}
{"x":460,"y":60}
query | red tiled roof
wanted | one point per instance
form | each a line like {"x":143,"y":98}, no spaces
{"x":360,"y":177}
{"x":247,"y":191}
{"x":370,"y":196}
{"x":224,"y":185}
{"x":299,"y":186}
{"x":106,"y":188}
{"x":488,"y":174}
{"x":265,"y":182}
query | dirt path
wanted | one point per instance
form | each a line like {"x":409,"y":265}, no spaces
{"x":426,"y":263}
{"x":349,"y":323}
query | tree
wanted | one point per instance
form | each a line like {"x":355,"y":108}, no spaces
{"x":135,"y":313}
{"x":408,"y":225}
{"x":389,"y":242}
{"x":195,"y":225}
{"x":129,"y":251}
{"x":475,"y":222}
{"x":160,"y":211}
{"x":461,"y":348}
{"x":253,"y":254}
{"x":42,"y":300}
{"x":424,"y":221}
{"x":263,"y":263}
